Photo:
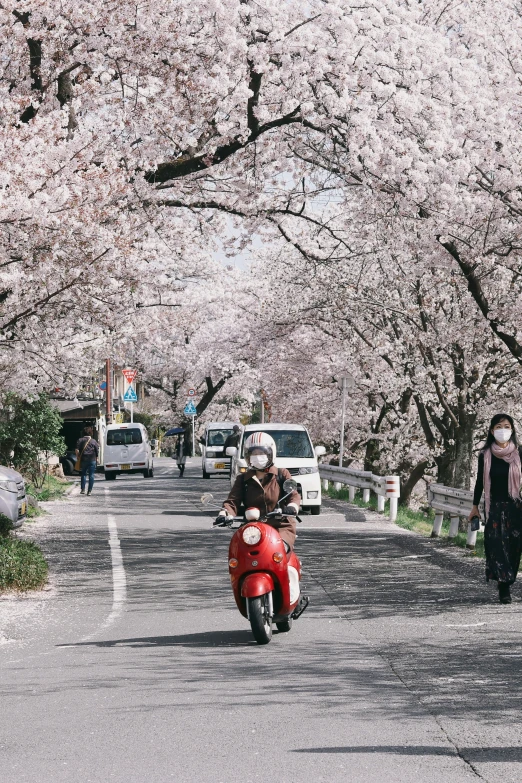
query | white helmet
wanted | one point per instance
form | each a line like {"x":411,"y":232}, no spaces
{"x":263,"y":443}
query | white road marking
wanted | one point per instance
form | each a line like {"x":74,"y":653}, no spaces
{"x":119,"y":578}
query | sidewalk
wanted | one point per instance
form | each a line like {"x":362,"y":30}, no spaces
{"x":426,"y":609}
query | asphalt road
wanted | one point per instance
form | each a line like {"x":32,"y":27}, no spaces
{"x":136,"y":666}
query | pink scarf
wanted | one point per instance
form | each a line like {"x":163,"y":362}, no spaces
{"x":508,"y":454}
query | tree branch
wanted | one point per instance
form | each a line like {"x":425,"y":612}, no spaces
{"x":425,"y":424}
{"x":184,"y":166}
{"x":477,"y":292}
{"x":212,"y":390}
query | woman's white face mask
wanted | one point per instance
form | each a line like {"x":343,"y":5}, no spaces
{"x":502,"y":435}
{"x":259,"y":461}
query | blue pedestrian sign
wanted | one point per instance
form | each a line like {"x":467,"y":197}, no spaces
{"x":190,"y":409}
{"x":130,"y":395}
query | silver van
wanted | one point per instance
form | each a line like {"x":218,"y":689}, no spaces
{"x":13,"y":502}
{"x":213,"y":457}
{"x":127,"y":450}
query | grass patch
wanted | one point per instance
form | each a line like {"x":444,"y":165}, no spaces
{"x":418,"y":521}
{"x":33,"y":512}
{"x":22,"y":565}
{"x":53,"y":489}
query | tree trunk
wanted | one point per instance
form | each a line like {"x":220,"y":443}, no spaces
{"x":371,"y":455}
{"x":464,"y":454}
{"x":455,"y":464}
{"x":413,"y":479}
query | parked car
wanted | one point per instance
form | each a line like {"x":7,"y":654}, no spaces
{"x":294,"y":452}
{"x":68,"y":461}
{"x":127,"y":450}
{"x":213,"y":457}
{"x":13,"y":501}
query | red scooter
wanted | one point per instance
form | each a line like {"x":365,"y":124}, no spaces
{"x":265,"y":580}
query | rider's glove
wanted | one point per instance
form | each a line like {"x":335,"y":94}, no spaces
{"x":220,"y":520}
{"x":289,"y":511}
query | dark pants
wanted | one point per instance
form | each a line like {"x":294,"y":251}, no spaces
{"x":87,"y":469}
{"x":503,"y":541}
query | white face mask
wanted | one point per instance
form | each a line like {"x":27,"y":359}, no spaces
{"x":259,"y":461}
{"x":502,"y":435}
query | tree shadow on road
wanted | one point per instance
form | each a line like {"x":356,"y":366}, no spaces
{"x":474,"y":754}
{"x":203,"y":639}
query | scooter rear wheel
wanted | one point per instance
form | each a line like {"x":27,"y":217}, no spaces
{"x":260,"y":621}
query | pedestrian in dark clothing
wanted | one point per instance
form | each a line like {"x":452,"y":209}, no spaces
{"x":499,"y":477}
{"x":87,"y":450}
{"x":232,"y":440}
{"x":182,"y":452}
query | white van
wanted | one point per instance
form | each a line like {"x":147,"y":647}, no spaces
{"x":127,"y":450}
{"x":295,"y":453}
{"x":213,"y":457}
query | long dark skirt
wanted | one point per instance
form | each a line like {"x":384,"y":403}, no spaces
{"x":503,"y":541}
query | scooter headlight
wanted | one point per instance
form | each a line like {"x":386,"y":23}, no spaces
{"x":251,"y":535}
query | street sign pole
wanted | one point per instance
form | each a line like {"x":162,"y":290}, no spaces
{"x":132,"y":413}
{"x":108,"y":391}
{"x":190,"y":410}
{"x":343,"y":404}
{"x":347,"y":382}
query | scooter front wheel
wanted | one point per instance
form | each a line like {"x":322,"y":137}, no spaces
{"x":260,"y":620}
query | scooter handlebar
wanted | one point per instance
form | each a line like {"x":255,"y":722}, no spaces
{"x":230,"y":520}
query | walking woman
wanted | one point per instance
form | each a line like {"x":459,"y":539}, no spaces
{"x":499,"y":477}
{"x":182,"y":452}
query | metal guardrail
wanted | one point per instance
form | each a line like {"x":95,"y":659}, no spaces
{"x":455,"y":502}
{"x":385,"y":487}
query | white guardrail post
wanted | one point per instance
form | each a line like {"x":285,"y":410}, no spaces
{"x":455,"y":502}
{"x":385,"y":487}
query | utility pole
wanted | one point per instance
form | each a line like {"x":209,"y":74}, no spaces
{"x":108,"y":391}
{"x":343,"y":407}
{"x":347,"y":382}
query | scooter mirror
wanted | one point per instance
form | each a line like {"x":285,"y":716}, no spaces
{"x":290,"y":486}
{"x":207,"y":499}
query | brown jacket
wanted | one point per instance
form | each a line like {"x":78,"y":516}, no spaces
{"x":265,"y":497}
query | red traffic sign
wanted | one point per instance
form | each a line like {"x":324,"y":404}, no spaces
{"x":191,"y":392}
{"x":129,"y":375}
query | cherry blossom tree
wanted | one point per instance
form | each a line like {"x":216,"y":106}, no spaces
{"x":373,"y":151}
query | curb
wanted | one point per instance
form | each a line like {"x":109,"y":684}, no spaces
{"x":72,"y":486}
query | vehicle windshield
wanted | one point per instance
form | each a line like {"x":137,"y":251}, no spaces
{"x":289,"y":443}
{"x":217,"y":437}
{"x":124,"y":437}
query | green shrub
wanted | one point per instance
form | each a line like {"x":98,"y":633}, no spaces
{"x":5,"y":526}
{"x":52,"y":489}
{"x":29,"y":429}
{"x":22,"y":565}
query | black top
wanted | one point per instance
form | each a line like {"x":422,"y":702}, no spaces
{"x":499,"y":478}
{"x":91,"y":451}
{"x":232,"y":441}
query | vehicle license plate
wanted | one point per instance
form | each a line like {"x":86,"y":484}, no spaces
{"x":125,"y":467}
{"x":24,"y":508}
{"x":219,"y":465}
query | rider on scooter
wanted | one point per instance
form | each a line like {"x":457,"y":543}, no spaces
{"x":261,"y":487}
